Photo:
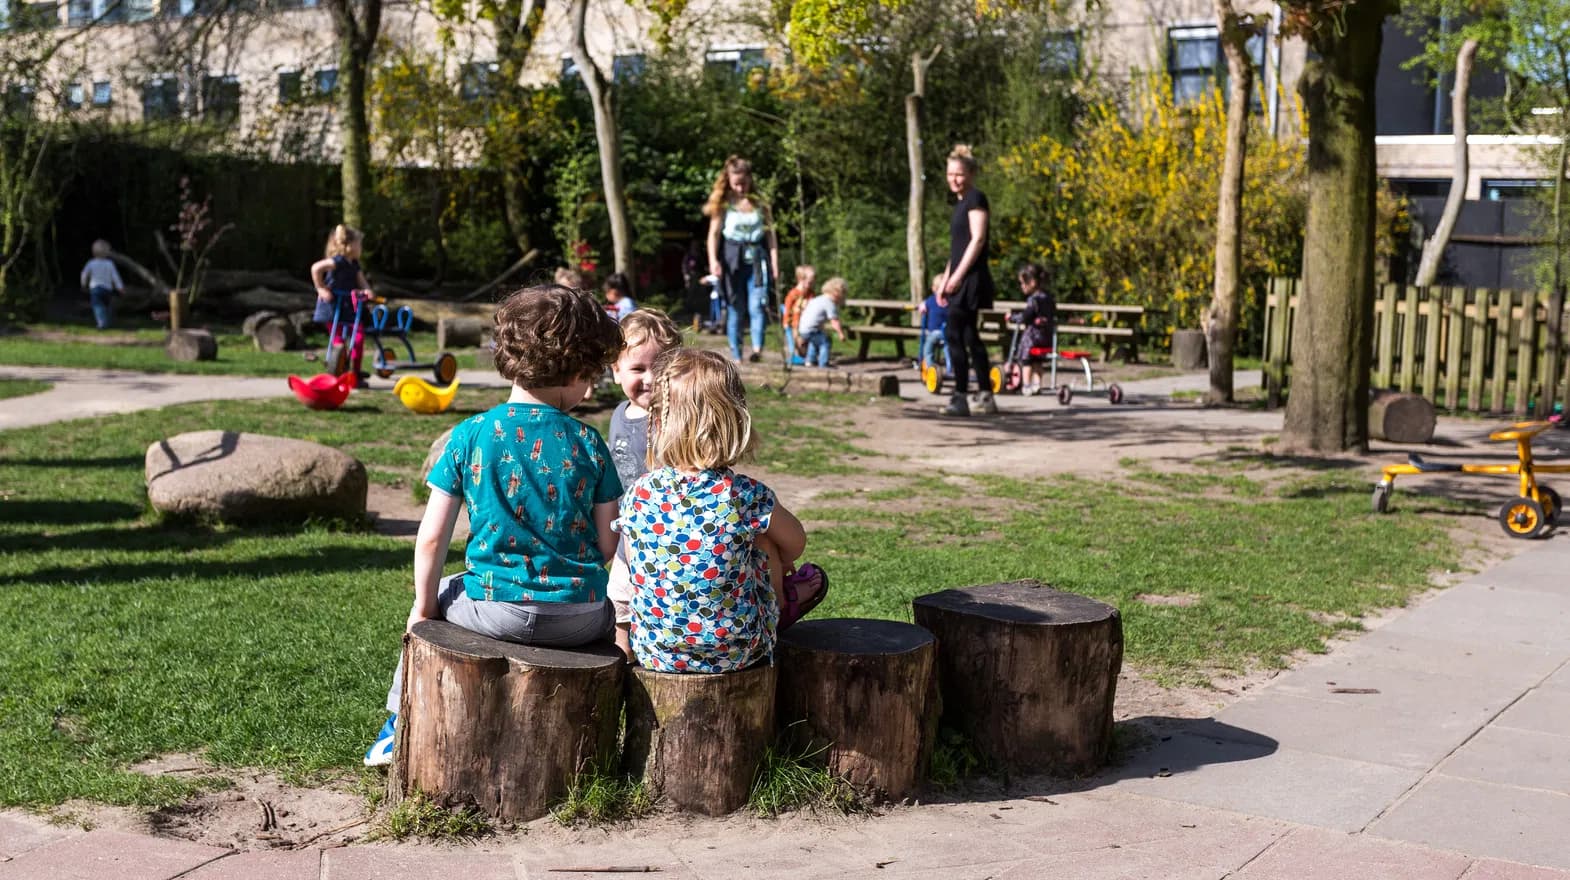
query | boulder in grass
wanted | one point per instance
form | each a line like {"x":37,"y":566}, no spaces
{"x":233,"y":477}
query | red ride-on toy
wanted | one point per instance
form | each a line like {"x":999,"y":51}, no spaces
{"x":322,"y":391}
{"x":1011,"y":376}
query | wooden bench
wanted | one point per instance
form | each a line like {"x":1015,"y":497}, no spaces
{"x":891,"y":319}
{"x":502,"y":726}
{"x":1027,"y":672}
{"x":866,"y":333}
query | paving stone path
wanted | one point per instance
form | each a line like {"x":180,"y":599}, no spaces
{"x":1435,"y":748}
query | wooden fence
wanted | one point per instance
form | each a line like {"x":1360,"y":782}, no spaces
{"x":1462,"y":348}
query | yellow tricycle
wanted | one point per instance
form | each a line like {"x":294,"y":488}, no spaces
{"x":1527,"y":515}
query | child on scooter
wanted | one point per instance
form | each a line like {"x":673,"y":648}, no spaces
{"x":336,"y":277}
{"x":1039,"y":322}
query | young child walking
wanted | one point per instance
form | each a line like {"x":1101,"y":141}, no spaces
{"x":710,"y":551}
{"x":336,"y":277}
{"x":618,"y":296}
{"x":102,"y":282}
{"x":1038,"y":321}
{"x":790,"y":317}
{"x":539,"y":488}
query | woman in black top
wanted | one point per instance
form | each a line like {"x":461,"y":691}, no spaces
{"x":967,"y":285}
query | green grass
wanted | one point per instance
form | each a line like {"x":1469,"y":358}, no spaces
{"x":795,"y":779}
{"x":142,"y":349}
{"x":22,"y":387}
{"x":595,"y":797}
{"x":129,"y":636}
{"x":417,"y":816}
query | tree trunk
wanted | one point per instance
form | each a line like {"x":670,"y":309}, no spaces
{"x":1027,"y":672}
{"x":1327,"y":407}
{"x":356,"y":25}
{"x":1226,"y":301}
{"x":503,"y":726}
{"x":1434,"y":248}
{"x":515,"y":26}
{"x":864,"y":694}
{"x":915,"y":245}
{"x":698,"y":739}
{"x":608,"y":138}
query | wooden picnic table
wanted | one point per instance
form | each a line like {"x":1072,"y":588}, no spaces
{"x":1122,"y":322}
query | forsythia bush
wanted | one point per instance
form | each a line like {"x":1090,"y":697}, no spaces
{"x":1127,"y":212}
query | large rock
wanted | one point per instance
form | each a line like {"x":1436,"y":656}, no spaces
{"x":253,"y":478}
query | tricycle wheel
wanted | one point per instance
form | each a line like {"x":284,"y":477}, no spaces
{"x":1065,"y":394}
{"x":1521,"y":517}
{"x":337,"y":360}
{"x":1382,"y":498}
{"x":386,"y":368}
{"x":1551,"y":504}
{"x":932,"y":378}
{"x":1013,"y":377}
{"x":446,"y":368}
{"x":1114,"y":394}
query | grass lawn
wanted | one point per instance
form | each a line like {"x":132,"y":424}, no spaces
{"x":22,"y":387}
{"x":68,"y":345}
{"x":129,"y":636}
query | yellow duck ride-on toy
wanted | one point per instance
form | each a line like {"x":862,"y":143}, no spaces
{"x":1529,"y":514}
{"x":422,"y":397}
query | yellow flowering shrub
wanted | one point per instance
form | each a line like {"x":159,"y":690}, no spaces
{"x":1126,"y":213}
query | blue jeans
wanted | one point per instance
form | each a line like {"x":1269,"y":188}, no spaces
{"x":929,"y":350}
{"x":757,"y":302}
{"x":818,"y":346}
{"x":103,"y":308}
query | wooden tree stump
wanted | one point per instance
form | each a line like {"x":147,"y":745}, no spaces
{"x":1027,"y":672}
{"x":499,"y":725}
{"x":275,"y":334}
{"x":191,"y":345}
{"x":454,"y":333}
{"x":1400,"y":418}
{"x":865,"y":692}
{"x":698,"y":739}
{"x":1188,"y":350}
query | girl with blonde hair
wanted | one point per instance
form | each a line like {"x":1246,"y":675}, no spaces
{"x":710,"y":551}
{"x":337,"y":276}
{"x":739,"y":228}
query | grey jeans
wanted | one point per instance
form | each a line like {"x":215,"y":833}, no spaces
{"x":527,"y":623}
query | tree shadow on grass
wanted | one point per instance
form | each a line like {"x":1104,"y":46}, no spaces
{"x":67,"y":512}
{"x":68,"y":462}
{"x":326,"y":561}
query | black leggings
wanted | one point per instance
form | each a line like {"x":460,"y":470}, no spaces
{"x":962,"y":336}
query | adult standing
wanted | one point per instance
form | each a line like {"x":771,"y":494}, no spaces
{"x":744,"y":254}
{"x":967,"y":286}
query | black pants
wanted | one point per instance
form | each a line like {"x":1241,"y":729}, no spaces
{"x":963,"y":337}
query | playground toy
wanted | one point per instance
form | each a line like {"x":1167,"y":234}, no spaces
{"x":1527,"y":515}
{"x":346,"y":340}
{"x":422,"y":397}
{"x":324,"y":390}
{"x":444,"y":368}
{"x":1011,"y":376}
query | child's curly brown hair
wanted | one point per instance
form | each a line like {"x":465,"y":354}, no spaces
{"x":551,"y":335}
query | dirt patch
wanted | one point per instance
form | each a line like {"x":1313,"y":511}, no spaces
{"x":1181,"y":600}
{"x":256,"y":810}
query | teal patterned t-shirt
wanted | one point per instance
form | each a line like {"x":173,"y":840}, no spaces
{"x":529,"y":476}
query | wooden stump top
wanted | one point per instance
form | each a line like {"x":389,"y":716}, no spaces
{"x":853,"y":635}
{"x":1023,"y":602}
{"x":457,"y":640}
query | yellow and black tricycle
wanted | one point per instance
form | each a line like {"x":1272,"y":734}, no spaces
{"x":1528,"y":515}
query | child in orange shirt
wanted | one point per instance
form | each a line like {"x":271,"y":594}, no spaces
{"x":795,"y":301}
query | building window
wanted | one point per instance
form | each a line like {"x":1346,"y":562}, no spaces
{"x":1060,"y":54}
{"x":75,"y":96}
{"x":79,"y":12}
{"x":1499,"y":190}
{"x":136,"y":10}
{"x":733,"y":62}
{"x":221,"y":99}
{"x":626,"y":68}
{"x":161,"y":98}
{"x":291,"y":86}
{"x":103,"y":96}
{"x":19,"y":99}
{"x":1420,"y":187}
{"x":326,"y":80}
{"x":477,"y":80}
{"x":1193,"y":62}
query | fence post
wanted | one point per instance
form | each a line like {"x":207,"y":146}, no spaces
{"x":1455,"y":324}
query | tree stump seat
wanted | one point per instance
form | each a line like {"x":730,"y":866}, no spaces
{"x":865,"y":692}
{"x":499,"y":725}
{"x":697,"y":739}
{"x":1027,"y":672}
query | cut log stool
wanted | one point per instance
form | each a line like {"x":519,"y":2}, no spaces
{"x":1027,"y":672}
{"x":1400,"y":418}
{"x":865,"y":692}
{"x":500,"y":725}
{"x":697,"y":738}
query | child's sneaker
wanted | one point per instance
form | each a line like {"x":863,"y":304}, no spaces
{"x":380,"y":754}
